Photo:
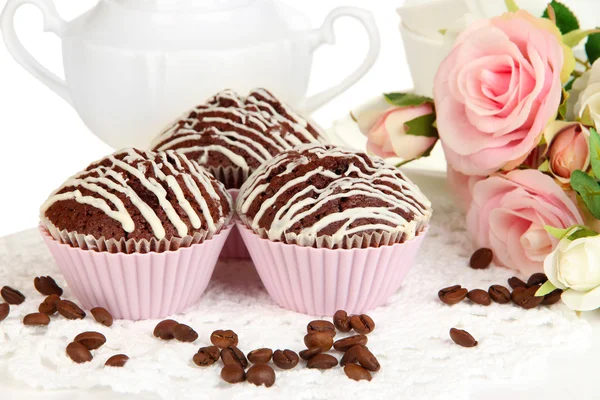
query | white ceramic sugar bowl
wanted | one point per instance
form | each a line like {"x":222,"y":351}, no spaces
{"x":132,"y":66}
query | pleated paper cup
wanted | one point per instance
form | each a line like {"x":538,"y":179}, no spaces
{"x":319,"y":282}
{"x":235,"y":248}
{"x":138,"y":286}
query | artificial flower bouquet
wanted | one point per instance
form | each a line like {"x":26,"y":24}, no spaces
{"x":516,"y":113}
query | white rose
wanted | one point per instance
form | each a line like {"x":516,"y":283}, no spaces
{"x":575,"y":268}
{"x":586,"y":93}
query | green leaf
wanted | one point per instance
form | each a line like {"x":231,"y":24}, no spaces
{"x":406,"y":99}
{"x":586,"y":117}
{"x":544,"y":167}
{"x":557,"y":232}
{"x":595,"y":152}
{"x":546,"y":288}
{"x":566,"y":21}
{"x":589,"y":190}
{"x":422,"y":126}
{"x":573,"y":38}
{"x":581,"y":233}
{"x":511,"y":5}
{"x":569,"y":84}
{"x":562,"y":109}
{"x":592,"y":47}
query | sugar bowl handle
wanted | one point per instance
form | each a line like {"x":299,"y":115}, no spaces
{"x":53,"y":23}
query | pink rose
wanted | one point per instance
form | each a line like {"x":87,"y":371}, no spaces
{"x":508,"y":214}
{"x":496,"y":91}
{"x":461,"y":187}
{"x":569,"y":149}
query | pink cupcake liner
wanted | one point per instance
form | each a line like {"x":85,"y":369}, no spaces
{"x":235,"y":248}
{"x":138,"y":286}
{"x":319,"y":282}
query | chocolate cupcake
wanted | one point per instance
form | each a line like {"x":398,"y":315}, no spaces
{"x":232,"y":136}
{"x":325,"y":196}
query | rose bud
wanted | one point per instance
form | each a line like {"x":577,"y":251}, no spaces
{"x":569,"y":149}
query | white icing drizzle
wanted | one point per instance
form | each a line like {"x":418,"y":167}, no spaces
{"x":101,"y":180}
{"x":367,"y":181}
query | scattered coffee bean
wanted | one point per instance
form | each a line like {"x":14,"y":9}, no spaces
{"x":224,"y":338}
{"x":341,"y":321}
{"x":79,"y":353}
{"x":481,"y":259}
{"x":118,"y":360}
{"x":47,"y":286}
{"x":261,"y":375}
{"x":515,"y":282}
{"x":233,"y":374}
{"x":207,"y":356}
{"x":526,"y":298}
{"x":233,"y":356}
{"x":102,"y":316}
{"x":479,"y":296}
{"x":4,"y":311}
{"x":184,"y":333}
{"x":321,"y":326}
{"x":285,"y":359}
{"x":362,"y":324}
{"x":69,"y":310}
{"x":322,"y":361}
{"x":499,"y":294}
{"x":48,"y":306}
{"x":351,"y":341}
{"x":260,"y":356}
{"x":350,"y":356}
{"x":362,"y":355}
{"x":549,"y":299}
{"x":357,"y":373}
{"x":12,"y":296}
{"x":36,"y":319}
{"x":538,"y":278}
{"x":164,"y":329}
{"x":452,"y":295}
{"x":310,"y":353}
{"x":318,"y":339}
{"x":91,"y":340}
{"x":462,"y":338}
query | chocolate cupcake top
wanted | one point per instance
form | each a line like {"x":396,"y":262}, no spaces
{"x":236,"y":133}
{"x":135,"y":194}
{"x":325,"y":196}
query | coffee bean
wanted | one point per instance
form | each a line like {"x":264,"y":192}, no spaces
{"x":322,"y":361}
{"x":118,"y":360}
{"x":341,"y":321}
{"x":207,"y":356}
{"x":224,"y":338}
{"x":69,"y":310}
{"x":481,"y":259}
{"x":462,"y":338}
{"x":260,"y":356}
{"x":91,"y":340}
{"x":102,"y":316}
{"x":479,"y":296}
{"x":515,"y":282}
{"x":350,"y":356}
{"x":47,"y":286}
{"x":79,"y":353}
{"x":285,"y":359}
{"x":318,"y":339}
{"x":526,"y":298}
{"x":452,"y":295}
{"x":48,"y":306}
{"x":321,"y":326}
{"x":4,"y":311}
{"x":36,"y":319}
{"x":12,"y":296}
{"x":310,"y":353}
{"x":357,"y":373}
{"x":184,"y":333}
{"x":499,"y":294}
{"x":538,"y":278}
{"x":164,"y":329}
{"x":362,"y":355}
{"x":362,"y":324}
{"x":233,"y":356}
{"x":549,"y":299}
{"x":233,"y":374}
{"x":351,"y":341}
{"x":261,"y":375}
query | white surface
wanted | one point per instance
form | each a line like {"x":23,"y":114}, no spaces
{"x":411,"y":339}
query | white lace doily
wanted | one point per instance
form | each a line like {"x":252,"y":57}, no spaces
{"x":411,"y":339}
